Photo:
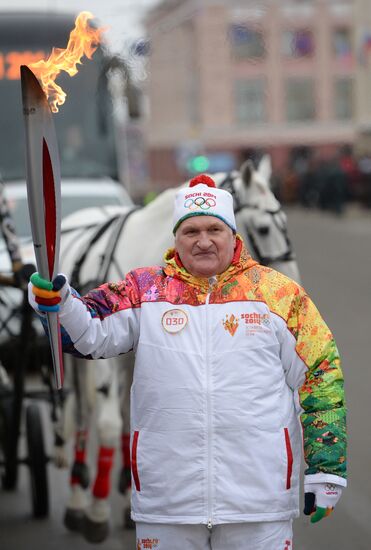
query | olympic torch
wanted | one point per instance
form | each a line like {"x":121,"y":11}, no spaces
{"x":41,"y":96}
{"x":44,"y":195}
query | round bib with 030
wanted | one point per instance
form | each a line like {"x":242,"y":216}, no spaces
{"x":174,"y":320}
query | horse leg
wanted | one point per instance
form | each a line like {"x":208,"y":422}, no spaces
{"x":96,"y":520}
{"x":125,"y":473}
{"x":64,"y":424}
{"x":82,"y":402}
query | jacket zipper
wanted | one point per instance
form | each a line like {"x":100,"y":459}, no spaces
{"x":212,"y":281}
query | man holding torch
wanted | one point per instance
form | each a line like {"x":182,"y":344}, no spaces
{"x":229,"y":356}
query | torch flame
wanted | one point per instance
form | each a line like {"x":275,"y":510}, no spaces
{"x":83,"y":40}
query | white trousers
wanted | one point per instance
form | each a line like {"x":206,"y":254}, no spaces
{"x":272,"y":535}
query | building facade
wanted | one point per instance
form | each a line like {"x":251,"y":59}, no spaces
{"x":362,"y":41}
{"x":231,"y":78}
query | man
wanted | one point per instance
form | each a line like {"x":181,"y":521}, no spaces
{"x":228,"y":354}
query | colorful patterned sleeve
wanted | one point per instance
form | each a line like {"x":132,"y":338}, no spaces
{"x":322,"y":393}
{"x":103,"y":323}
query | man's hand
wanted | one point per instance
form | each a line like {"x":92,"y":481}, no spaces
{"x":45,"y":296}
{"x":320,"y":499}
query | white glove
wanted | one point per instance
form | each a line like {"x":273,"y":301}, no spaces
{"x":320,"y":499}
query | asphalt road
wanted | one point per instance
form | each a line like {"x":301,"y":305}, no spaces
{"x":335,"y":260}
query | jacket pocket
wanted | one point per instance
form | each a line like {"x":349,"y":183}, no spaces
{"x":134,"y":462}
{"x":289,"y":458}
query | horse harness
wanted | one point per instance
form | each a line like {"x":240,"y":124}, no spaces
{"x":118,"y":222}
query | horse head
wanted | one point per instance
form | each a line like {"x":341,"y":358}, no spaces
{"x":260,"y":219}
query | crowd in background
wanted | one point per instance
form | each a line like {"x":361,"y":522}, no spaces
{"x":326,"y":183}
{"x":313,"y":180}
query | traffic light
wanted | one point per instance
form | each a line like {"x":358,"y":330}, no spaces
{"x":199,"y":163}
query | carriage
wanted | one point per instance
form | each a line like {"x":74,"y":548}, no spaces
{"x":18,"y":334}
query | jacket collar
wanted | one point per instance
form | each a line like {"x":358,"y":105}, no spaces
{"x":241,"y":261}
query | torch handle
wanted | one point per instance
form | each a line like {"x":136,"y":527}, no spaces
{"x":56,"y":347}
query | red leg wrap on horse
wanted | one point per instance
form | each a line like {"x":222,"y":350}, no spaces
{"x":101,"y":487}
{"x":81,"y":439}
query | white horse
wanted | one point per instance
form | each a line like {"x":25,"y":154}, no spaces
{"x":98,"y":245}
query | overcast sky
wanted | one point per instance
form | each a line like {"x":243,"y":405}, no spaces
{"x":122,"y":16}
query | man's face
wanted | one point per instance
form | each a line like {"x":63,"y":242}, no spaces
{"x":205,"y":245}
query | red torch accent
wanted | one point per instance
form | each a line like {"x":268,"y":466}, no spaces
{"x":49,"y":207}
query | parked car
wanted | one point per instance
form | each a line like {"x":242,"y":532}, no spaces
{"x":76,"y":194}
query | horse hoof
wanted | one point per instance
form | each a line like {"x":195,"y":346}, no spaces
{"x":73,"y":519}
{"x":95,"y":531}
{"x":128,"y":522}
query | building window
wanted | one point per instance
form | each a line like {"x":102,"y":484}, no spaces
{"x":250,"y":101}
{"x":246,"y":43}
{"x":343,"y":98}
{"x":300,"y":102}
{"x":342,"y":43}
{"x":298,"y":43}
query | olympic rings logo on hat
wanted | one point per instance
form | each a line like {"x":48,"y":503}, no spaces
{"x":200,"y":202}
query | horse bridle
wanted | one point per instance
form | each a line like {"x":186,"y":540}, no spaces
{"x":228,"y":185}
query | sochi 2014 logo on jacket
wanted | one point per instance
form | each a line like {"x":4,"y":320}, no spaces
{"x":148,"y":544}
{"x":253,"y":322}
{"x":231,"y":323}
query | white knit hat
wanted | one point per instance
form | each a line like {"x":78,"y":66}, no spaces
{"x":203,"y":198}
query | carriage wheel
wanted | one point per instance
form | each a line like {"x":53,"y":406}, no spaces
{"x":37,"y":462}
{"x":9,"y":476}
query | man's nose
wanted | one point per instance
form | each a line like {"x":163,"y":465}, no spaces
{"x":203,"y":241}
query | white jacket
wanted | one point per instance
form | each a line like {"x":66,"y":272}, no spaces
{"x":215,"y":433}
